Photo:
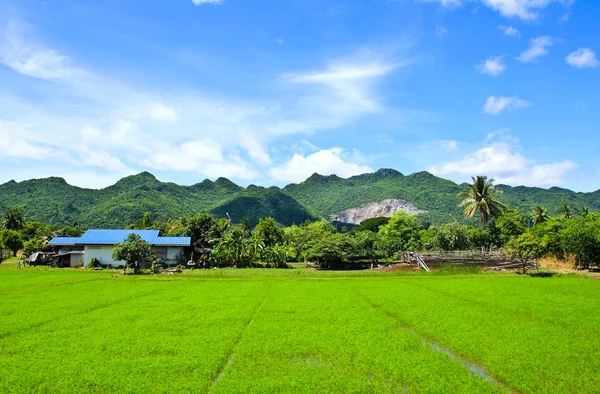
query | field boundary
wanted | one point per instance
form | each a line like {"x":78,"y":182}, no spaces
{"x":83,"y":312}
{"x":70,"y":282}
{"x":229,"y":357}
{"x":475,"y":369}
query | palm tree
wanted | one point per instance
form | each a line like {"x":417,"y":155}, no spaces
{"x":584,"y":211}
{"x":481,"y":196}
{"x":566,"y":211}
{"x":540,"y":215}
{"x":255,"y":247}
{"x":13,"y":219}
{"x":235,"y":247}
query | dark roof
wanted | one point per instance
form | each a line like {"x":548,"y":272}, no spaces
{"x":113,"y":237}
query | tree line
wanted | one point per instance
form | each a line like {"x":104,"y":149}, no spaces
{"x":217,"y":242}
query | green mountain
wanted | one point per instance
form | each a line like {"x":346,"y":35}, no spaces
{"x":52,"y":200}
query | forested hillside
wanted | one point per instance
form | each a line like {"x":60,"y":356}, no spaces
{"x":52,"y":200}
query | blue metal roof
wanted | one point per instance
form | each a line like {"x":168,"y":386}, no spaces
{"x":63,"y":241}
{"x":113,"y":237}
{"x":172,"y":241}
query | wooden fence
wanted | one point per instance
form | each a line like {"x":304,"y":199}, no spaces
{"x":495,"y":260}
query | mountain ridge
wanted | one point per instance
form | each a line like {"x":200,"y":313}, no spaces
{"x":53,"y":200}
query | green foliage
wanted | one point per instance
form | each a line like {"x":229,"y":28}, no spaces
{"x":135,"y":252}
{"x":93,"y":263}
{"x":581,"y":238}
{"x":270,"y":232}
{"x":481,"y":197}
{"x":539,"y":215}
{"x":35,"y":245}
{"x":53,"y":201}
{"x":373,"y":224}
{"x":11,"y":240}
{"x":450,"y":236}
{"x":401,"y":233}
{"x":13,"y":219}
{"x":235,"y":249}
{"x":509,"y":224}
{"x":276,"y":255}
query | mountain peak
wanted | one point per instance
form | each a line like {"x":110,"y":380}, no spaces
{"x":422,"y":174}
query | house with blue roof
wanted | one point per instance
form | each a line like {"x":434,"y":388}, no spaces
{"x":99,"y":244}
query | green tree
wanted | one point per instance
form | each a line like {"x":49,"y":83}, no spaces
{"x":373,"y":224}
{"x":509,"y":224}
{"x":450,"y":236}
{"x":13,"y":219}
{"x":402,"y":233}
{"x":255,"y":247}
{"x":525,"y":247}
{"x":146,"y":220}
{"x":246,"y":226}
{"x":539,"y":215}
{"x":35,"y":245}
{"x":584,"y":211}
{"x":581,"y":239}
{"x":481,"y":197}
{"x":270,"y":232}
{"x":235,"y":249}
{"x":566,"y":211}
{"x":11,"y":240}
{"x":135,"y":252}
{"x":276,"y":255}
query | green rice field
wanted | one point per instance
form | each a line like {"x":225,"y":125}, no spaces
{"x":296,"y":331}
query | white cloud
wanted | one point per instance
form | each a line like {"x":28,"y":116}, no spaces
{"x":13,"y":143}
{"x":93,"y":120}
{"x":523,"y":9}
{"x":495,"y":105}
{"x":503,"y":161}
{"x":280,"y":41}
{"x":537,"y":48}
{"x":200,"y":2}
{"x":493,"y":66}
{"x":446,"y":3}
{"x":509,"y":31}
{"x":451,"y":145}
{"x":324,"y":162}
{"x":255,"y":149}
{"x":441,"y":31}
{"x":163,"y":113}
{"x":583,"y":57}
{"x":203,"y":157}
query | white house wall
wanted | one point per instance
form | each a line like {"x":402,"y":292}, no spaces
{"x":103,"y":253}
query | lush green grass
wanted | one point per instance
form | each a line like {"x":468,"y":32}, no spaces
{"x":287,"y":331}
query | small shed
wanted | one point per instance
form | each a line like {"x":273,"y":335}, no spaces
{"x":66,"y":258}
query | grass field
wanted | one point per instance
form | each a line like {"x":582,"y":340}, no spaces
{"x":224,"y":331}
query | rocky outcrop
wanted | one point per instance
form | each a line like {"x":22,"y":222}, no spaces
{"x":385,"y":208}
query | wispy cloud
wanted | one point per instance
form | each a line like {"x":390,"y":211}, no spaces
{"x":522,"y":9}
{"x":201,"y":2}
{"x":107,"y":124}
{"x":582,"y":58}
{"x":495,"y":105}
{"x":537,"y":48}
{"x":493,"y":66}
{"x":509,"y":31}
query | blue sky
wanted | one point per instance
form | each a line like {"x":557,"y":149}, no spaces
{"x":269,"y":92}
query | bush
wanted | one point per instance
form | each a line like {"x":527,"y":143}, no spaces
{"x":93,"y":263}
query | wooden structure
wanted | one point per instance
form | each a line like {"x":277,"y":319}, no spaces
{"x":495,"y":260}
